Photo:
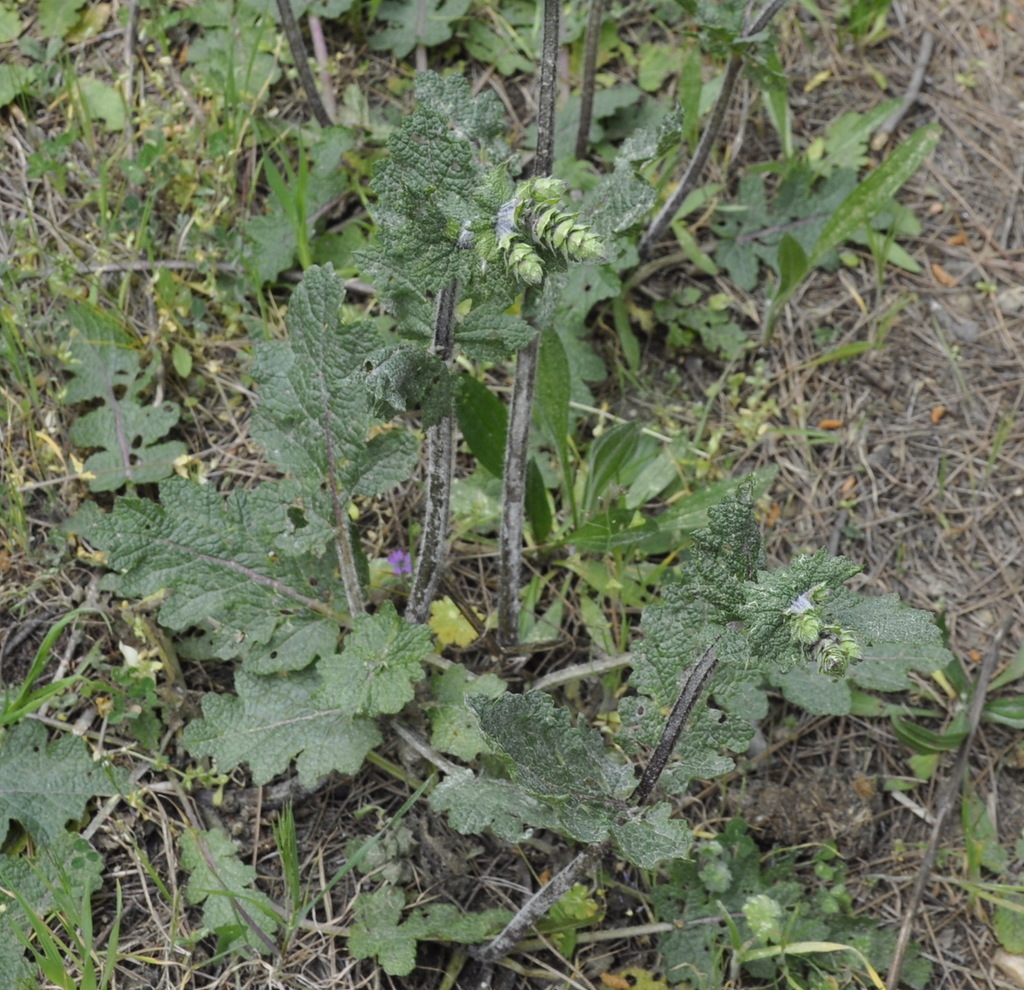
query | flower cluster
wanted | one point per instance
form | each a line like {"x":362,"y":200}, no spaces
{"x":832,"y":648}
{"x":532,"y":222}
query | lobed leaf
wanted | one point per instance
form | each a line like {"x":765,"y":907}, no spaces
{"x":272,"y":720}
{"x":379,"y":932}
{"x":213,"y":558}
{"x":382,"y":659}
{"x":223,"y":884}
{"x":314,"y":418}
{"x":415,"y":22}
{"x":44,"y":785}
{"x":105,"y":364}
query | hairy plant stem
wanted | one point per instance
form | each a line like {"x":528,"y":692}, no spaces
{"x":590,"y":47}
{"x":709,"y":135}
{"x":524,"y":383}
{"x":440,"y":450}
{"x":537,"y":906}
{"x":693,"y":688}
{"x":545,"y":158}
{"x":294,"y":36}
{"x":513,"y":491}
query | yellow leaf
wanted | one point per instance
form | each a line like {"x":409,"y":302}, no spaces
{"x":449,"y":625}
{"x":816,"y":80}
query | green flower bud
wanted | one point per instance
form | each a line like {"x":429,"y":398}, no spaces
{"x":562,"y":231}
{"x":543,"y":221}
{"x":545,"y":189}
{"x":849,"y":645}
{"x":525,"y":264}
{"x":806,"y":627}
{"x":832,"y":660}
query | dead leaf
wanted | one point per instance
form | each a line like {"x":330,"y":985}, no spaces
{"x":1012,"y":967}
{"x":988,"y":36}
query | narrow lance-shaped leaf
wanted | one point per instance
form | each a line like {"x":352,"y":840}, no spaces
{"x":872,"y":195}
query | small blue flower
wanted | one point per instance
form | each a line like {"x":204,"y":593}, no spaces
{"x":401,"y":562}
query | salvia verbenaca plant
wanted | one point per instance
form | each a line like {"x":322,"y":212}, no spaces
{"x":474,"y":261}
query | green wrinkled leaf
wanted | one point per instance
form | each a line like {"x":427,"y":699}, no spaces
{"x":209,"y":555}
{"x":489,"y":335}
{"x":382,"y":659}
{"x":454,"y":727}
{"x":894,"y":639}
{"x":105,"y":364}
{"x":273,"y":720}
{"x":774,"y":592}
{"x":294,"y":644}
{"x":546,"y":754}
{"x":480,"y":118}
{"x":44,"y":785}
{"x":314,"y":416}
{"x":474,"y":804}
{"x":223,"y":884}
{"x":405,"y":377}
{"x":379,"y":933}
{"x":429,"y":179}
{"x":653,"y":837}
{"x":815,"y":692}
{"x":415,"y":22}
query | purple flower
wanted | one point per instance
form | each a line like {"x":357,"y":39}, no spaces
{"x":401,"y":562}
